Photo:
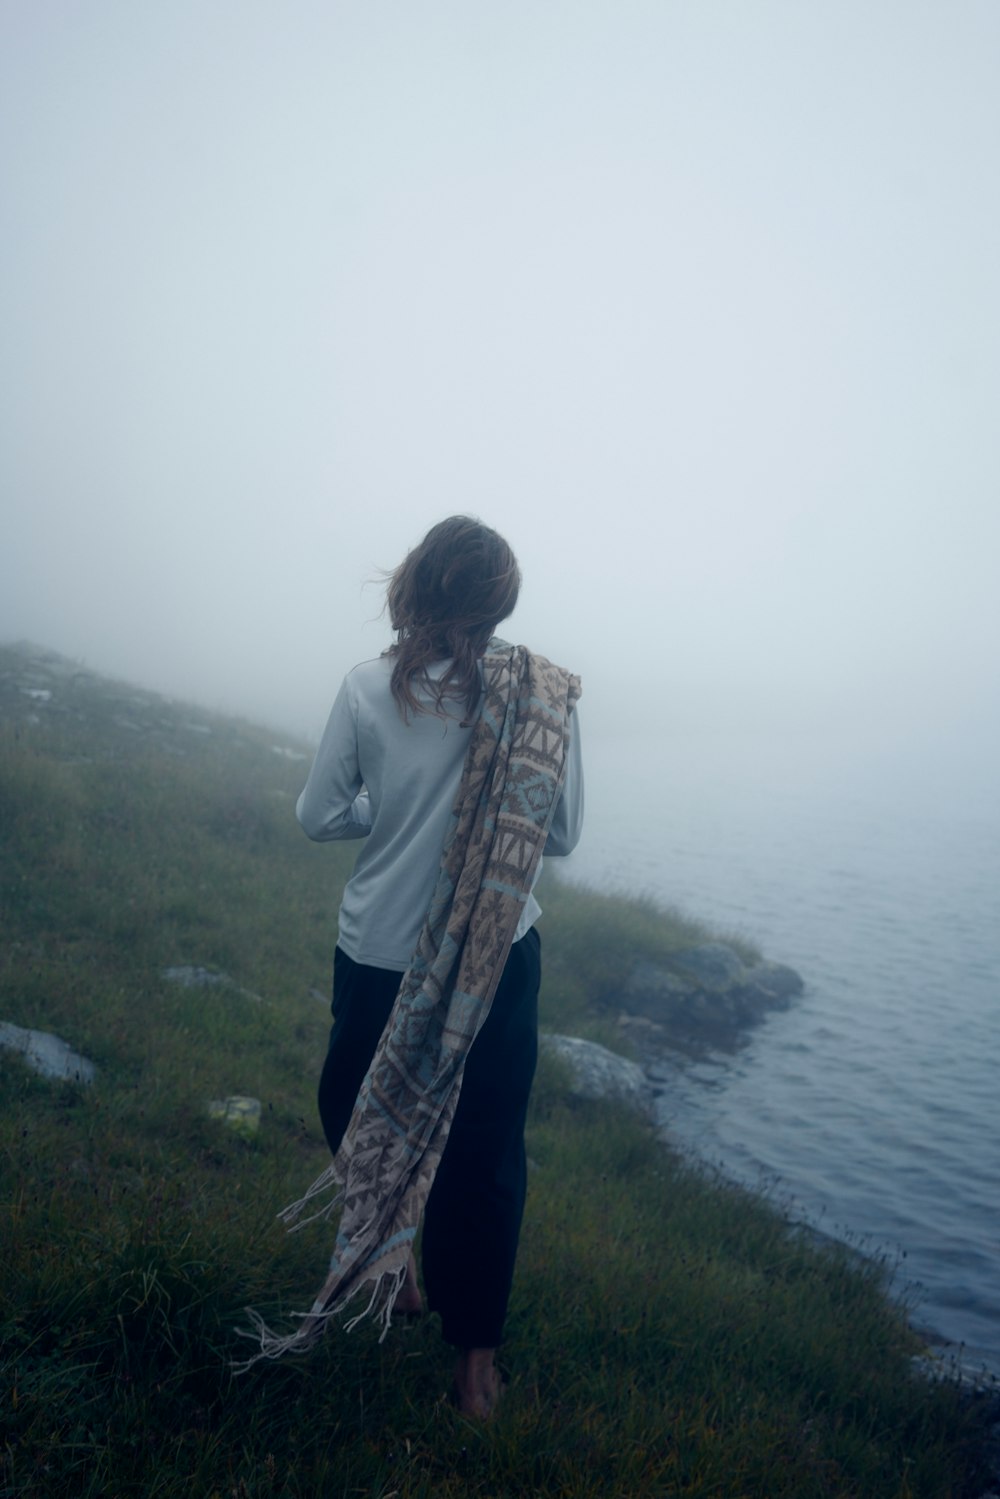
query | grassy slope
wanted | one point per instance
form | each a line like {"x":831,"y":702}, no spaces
{"x":667,"y":1335}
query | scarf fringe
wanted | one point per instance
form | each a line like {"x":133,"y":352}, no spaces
{"x":385,"y":1287}
{"x":327,"y":1181}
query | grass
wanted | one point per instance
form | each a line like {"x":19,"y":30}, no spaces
{"x":669,"y":1333}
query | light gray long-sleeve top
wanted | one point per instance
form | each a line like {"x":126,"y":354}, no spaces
{"x":394,"y":784}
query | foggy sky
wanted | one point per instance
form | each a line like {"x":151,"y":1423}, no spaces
{"x":697,"y":303}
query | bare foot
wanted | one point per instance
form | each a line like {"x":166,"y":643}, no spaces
{"x":409,"y":1302}
{"x":477,"y":1383}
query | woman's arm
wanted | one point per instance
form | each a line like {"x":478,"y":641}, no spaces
{"x":334,"y":803}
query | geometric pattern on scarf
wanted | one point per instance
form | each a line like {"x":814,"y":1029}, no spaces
{"x":383,"y":1172}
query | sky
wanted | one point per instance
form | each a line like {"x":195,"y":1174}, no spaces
{"x":697,"y":303}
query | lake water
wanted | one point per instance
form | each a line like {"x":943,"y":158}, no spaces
{"x":873,"y":1099}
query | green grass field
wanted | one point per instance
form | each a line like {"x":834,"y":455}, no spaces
{"x":670,"y":1334}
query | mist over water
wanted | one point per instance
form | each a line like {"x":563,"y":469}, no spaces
{"x":871,"y":1099}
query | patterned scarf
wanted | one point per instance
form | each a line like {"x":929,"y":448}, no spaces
{"x":382,"y":1174}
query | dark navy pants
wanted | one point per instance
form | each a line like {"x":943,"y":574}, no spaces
{"x":472,"y":1221}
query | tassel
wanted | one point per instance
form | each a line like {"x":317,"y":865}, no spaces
{"x":387,"y":1284}
{"x":327,"y":1181}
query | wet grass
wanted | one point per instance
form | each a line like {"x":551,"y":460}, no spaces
{"x":669,"y":1333}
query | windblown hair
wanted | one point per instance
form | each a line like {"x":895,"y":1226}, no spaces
{"x":445,"y":600}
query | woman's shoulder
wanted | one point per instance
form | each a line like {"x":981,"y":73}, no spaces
{"x":378,"y":669}
{"x":368,"y":682}
{"x":371,"y":675}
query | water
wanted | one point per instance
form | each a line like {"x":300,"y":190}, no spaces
{"x":873,"y":1099}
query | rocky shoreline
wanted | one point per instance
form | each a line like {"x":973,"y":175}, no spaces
{"x":707,"y":998}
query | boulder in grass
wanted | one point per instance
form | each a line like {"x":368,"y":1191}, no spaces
{"x":47,"y":1054}
{"x":240,"y":1113}
{"x":192,"y":976}
{"x":596,"y":1072}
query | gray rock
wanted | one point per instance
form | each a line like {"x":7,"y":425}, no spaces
{"x":707,"y":992}
{"x":47,"y":1054}
{"x":599,"y":1073}
{"x":712,"y":965}
{"x":640,"y":1023}
{"x":190,"y":977}
{"x":776,"y":979}
{"x":655,"y":992}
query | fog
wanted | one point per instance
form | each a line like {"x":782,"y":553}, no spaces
{"x":696,"y":303}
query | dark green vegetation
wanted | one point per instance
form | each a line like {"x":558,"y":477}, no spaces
{"x":669,"y":1334}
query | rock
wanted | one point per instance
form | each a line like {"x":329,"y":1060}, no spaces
{"x":191,"y":976}
{"x":640,"y":1023}
{"x":599,"y":1073}
{"x":241,"y":1113}
{"x":712,"y":965}
{"x":47,"y":1054}
{"x":655,"y":992}
{"x":707,"y":993}
{"x":776,"y":979}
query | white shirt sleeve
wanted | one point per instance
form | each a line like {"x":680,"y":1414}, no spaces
{"x":334,"y":803}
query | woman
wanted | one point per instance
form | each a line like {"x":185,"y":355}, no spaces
{"x":408,"y":736}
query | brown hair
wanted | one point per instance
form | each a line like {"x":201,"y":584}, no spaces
{"x":445,"y":599}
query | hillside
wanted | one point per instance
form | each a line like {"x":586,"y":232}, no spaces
{"x":669,"y":1333}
